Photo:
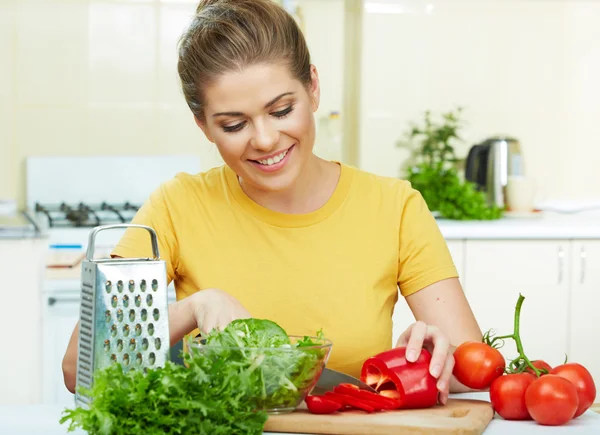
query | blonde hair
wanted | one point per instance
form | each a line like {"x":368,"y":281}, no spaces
{"x":228,"y":35}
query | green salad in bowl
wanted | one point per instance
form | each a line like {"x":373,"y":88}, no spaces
{"x":230,"y":382}
{"x":278,"y":370}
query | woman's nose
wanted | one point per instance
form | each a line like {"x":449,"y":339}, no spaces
{"x":265,"y":137}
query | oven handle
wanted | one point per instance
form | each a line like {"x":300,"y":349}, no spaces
{"x":53,"y":300}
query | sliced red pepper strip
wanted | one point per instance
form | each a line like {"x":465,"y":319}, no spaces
{"x":322,"y":405}
{"x":389,"y":370}
{"x":355,"y":391}
{"x":354,"y":402}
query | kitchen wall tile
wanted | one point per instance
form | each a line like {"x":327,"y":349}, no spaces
{"x":51,"y":53}
{"x":174,"y":19}
{"x":583,"y":62}
{"x":8,"y":178}
{"x":46,"y":131}
{"x":324,"y":33}
{"x":177,"y":130}
{"x":122,"y":52}
{"x":7,"y":53}
{"x":121,"y":129}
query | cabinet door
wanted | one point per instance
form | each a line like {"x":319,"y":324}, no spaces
{"x":498,"y":271}
{"x":585,"y":305}
{"x":403,"y":316}
{"x":60,"y":316}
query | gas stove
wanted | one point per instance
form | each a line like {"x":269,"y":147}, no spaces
{"x":79,"y":215}
{"x":67,"y":196}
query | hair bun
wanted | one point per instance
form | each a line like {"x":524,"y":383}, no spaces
{"x":206,"y":3}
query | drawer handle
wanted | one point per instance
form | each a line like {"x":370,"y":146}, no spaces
{"x":582,"y":257}
{"x":561,"y":257}
{"x":52,"y":300}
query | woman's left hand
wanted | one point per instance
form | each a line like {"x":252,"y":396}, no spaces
{"x":420,"y":335}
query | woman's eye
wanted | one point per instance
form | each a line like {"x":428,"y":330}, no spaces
{"x":283,"y":112}
{"x":233,"y":128}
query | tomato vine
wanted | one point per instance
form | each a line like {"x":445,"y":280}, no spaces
{"x":521,"y":362}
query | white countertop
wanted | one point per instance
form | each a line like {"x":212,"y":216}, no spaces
{"x":546,"y":225}
{"x":44,"y":420}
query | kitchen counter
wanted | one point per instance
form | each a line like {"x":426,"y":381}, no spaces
{"x":546,"y":225}
{"x":43,"y":419}
{"x":18,"y":226}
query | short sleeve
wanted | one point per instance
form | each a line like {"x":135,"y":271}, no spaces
{"x":424,"y":257}
{"x":136,"y":242}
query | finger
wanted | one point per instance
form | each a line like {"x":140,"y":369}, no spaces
{"x":441,"y":347}
{"x":443,"y":384}
{"x":223,"y":320}
{"x":207,"y":323}
{"x":403,"y":339}
{"x":415,"y":341}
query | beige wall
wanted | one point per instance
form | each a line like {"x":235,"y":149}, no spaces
{"x":529,"y":69}
{"x":99,"y":77}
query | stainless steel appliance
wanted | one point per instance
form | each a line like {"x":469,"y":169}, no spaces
{"x":490,"y":163}
{"x":124,"y":313}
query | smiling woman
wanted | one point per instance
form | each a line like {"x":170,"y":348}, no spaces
{"x":279,"y":233}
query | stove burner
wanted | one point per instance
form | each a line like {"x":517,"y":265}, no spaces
{"x":86,"y":215}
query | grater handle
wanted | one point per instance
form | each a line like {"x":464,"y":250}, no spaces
{"x":95,"y":231}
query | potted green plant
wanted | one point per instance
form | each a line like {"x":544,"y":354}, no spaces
{"x":433,"y":171}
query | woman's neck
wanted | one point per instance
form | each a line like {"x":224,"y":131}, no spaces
{"x":314,"y":187}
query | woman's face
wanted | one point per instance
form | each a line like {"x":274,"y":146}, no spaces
{"x":262,"y":121}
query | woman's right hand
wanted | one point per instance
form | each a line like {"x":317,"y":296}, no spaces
{"x":214,"y":308}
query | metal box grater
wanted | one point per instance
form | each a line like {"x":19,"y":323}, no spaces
{"x":123,"y":314}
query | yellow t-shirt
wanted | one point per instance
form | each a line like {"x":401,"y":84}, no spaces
{"x":338,"y":268}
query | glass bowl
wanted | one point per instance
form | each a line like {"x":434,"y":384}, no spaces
{"x":279,"y":378}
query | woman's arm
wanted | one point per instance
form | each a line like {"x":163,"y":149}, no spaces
{"x":444,"y":305}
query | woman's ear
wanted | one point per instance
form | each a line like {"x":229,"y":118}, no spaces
{"x":202,"y":124}
{"x":314,"y":88}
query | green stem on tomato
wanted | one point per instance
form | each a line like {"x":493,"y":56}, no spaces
{"x":516,"y":365}
{"x":517,"y":335}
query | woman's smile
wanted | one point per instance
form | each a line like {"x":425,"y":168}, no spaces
{"x":273,"y":162}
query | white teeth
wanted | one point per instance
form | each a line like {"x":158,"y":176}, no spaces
{"x":273,"y":160}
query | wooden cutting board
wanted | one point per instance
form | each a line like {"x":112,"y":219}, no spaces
{"x":458,"y":416}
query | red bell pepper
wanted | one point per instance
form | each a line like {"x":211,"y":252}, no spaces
{"x":393,"y":376}
{"x":322,"y":405}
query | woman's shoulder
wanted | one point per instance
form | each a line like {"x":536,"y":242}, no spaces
{"x":376,"y":184}
{"x":184,"y":185}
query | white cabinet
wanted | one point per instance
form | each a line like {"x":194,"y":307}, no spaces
{"x":21,"y":271}
{"x":403,"y":316}
{"x":61,"y":313}
{"x":584,"y":332}
{"x":497,"y":271}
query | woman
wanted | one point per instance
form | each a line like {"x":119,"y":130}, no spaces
{"x":279,"y":233}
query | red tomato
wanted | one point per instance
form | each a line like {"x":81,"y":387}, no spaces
{"x":540,"y":365}
{"x":551,"y":400}
{"x":477,"y":364}
{"x":583,"y":381}
{"x":507,"y":395}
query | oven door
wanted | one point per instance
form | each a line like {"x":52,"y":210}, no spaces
{"x":61,"y":313}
